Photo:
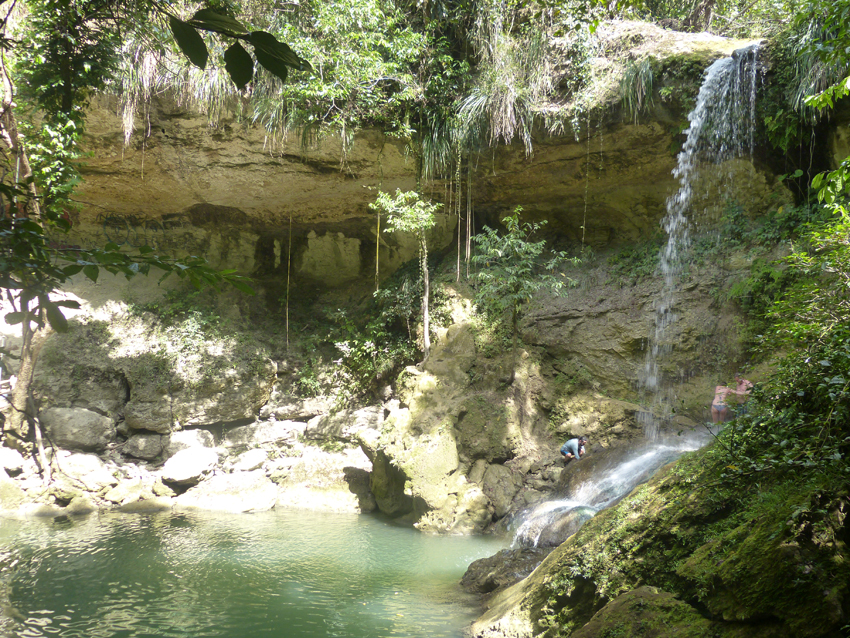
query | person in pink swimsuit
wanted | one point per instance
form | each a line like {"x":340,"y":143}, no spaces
{"x":719,"y":409}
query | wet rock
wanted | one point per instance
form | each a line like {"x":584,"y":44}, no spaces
{"x":156,"y":504}
{"x":78,"y":429}
{"x":502,"y":570}
{"x":189,"y":466}
{"x":184,"y":439}
{"x":144,"y":446}
{"x":565,"y":526}
{"x":80,"y":506}
{"x":236,"y":492}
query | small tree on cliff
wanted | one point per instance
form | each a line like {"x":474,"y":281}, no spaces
{"x":407,"y":213}
{"x":512,"y":271}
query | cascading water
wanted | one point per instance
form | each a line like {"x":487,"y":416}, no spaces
{"x":721,"y":128}
{"x":549,"y":523}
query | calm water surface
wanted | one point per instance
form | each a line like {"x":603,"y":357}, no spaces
{"x":287,"y":573}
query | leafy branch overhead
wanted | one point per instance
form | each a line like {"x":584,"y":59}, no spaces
{"x":272,"y":54}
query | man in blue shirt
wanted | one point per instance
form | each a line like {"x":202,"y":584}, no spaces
{"x":574,"y":448}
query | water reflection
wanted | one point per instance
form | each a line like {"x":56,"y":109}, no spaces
{"x":298,"y":574}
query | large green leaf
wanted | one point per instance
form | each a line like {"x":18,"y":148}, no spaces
{"x":13,"y":318}
{"x":55,"y":318}
{"x":190,"y":42}
{"x":91,"y":271}
{"x":275,"y":55}
{"x":210,"y":20}
{"x":239,"y":65}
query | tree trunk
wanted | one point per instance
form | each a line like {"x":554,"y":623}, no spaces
{"x":515,"y":328}
{"x":426,"y":293}
{"x":18,"y":423}
{"x":700,"y":16}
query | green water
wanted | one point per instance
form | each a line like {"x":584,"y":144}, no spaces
{"x":286,"y":573}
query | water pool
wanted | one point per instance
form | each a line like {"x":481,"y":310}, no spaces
{"x":282,"y":573}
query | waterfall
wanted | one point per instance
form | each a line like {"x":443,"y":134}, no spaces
{"x":721,"y":128}
{"x":550,"y":522}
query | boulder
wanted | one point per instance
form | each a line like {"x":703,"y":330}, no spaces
{"x":344,"y":424}
{"x":250,"y":436}
{"x":144,"y":446}
{"x":78,"y":429}
{"x":283,"y":407}
{"x":154,"y":416}
{"x":500,"y":485}
{"x":79,"y":506}
{"x":250,"y":460}
{"x":236,"y":492}
{"x":648,"y":611}
{"x":127,"y":491}
{"x":85,"y":471}
{"x":189,"y":466}
{"x":184,"y":439}
{"x":509,"y":566}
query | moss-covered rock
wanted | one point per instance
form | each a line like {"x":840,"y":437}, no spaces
{"x":774,"y":558}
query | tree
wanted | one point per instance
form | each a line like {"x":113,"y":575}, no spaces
{"x":407,"y":213}
{"x":510,"y":271}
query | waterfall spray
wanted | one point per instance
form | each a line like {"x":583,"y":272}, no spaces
{"x":722,"y":127}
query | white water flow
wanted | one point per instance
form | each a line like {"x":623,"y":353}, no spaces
{"x":550,"y":522}
{"x":721,"y":128}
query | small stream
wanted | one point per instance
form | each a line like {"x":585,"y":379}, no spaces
{"x":281,"y":573}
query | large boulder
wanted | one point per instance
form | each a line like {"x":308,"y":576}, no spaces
{"x":144,"y":446}
{"x":189,"y":466}
{"x":325,"y":481}
{"x":500,"y":484}
{"x":184,"y":439}
{"x":249,"y":436}
{"x":236,"y":492}
{"x":78,"y":429}
{"x":509,"y":566}
{"x":91,"y":473}
{"x":345,"y":423}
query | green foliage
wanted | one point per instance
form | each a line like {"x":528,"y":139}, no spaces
{"x":635,"y":262}
{"x":804,"y":409}
{"x":512,"y":268}
{"x":69,"y":51}
{"x":406,"y":212}
{"x":636,"y":87}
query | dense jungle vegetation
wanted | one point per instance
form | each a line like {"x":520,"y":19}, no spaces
{"x":452,"y":78}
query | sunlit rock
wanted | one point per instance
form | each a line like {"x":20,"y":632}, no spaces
{"x":188,"y":467}
{"x":235,"y":492}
